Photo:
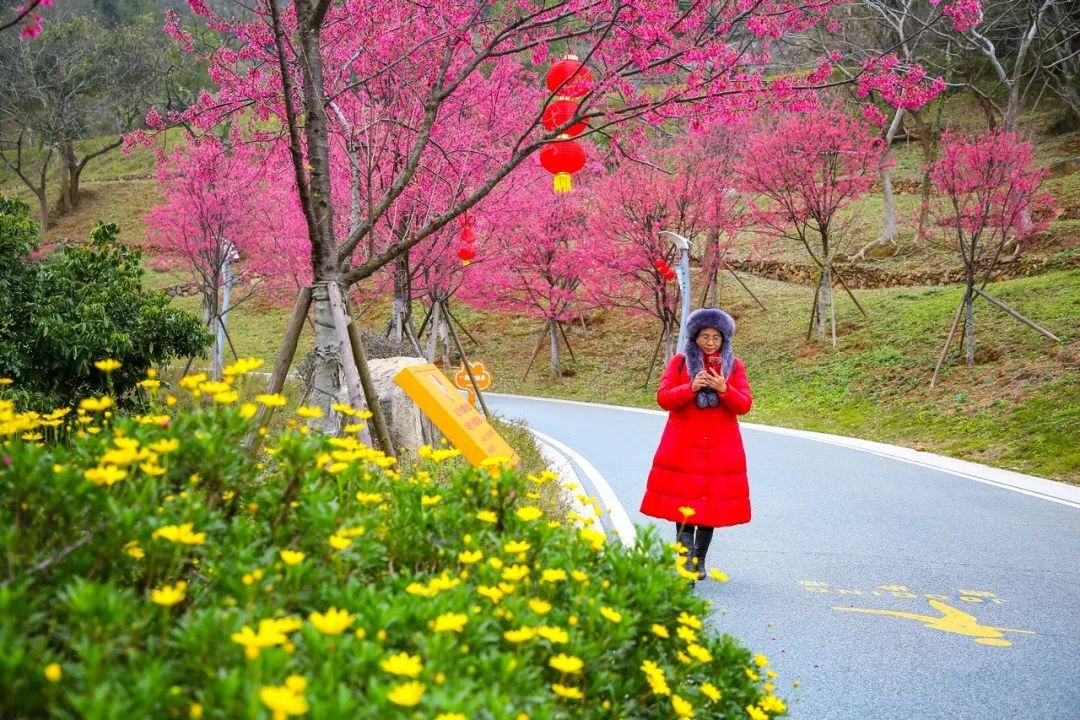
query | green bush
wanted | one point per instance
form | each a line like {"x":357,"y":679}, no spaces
{"x":60,"y":313}
{"x":153,"y":570}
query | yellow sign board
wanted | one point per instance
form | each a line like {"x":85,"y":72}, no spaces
{"x":463,"y":426}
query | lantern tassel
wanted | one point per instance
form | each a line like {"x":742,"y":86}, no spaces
{"x":563,"y":183}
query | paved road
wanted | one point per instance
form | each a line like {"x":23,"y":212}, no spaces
{"x":887,"y":589}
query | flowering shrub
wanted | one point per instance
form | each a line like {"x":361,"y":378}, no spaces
{"x":153,"y":569}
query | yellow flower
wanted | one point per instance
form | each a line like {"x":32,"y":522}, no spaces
{"x":540,"y":607}
{"x":406,"y":695}
{"x":718,"y":575}
{"x":686,"y":634}
{"x":519,"y":635}
{"x":553,"y":575}
{"x":179,"y":534}
{"x":529,"y":513}
{"x":772,"y":704}
{"x":333,"y":622}
{"x":165,"y":446}
{"x":169,"y":595}
{"x":487,"y":516}
{"x":516,"y":547}
{"x":689,"y":620}
{"x":567,"y":664}
{"x":655,"y":677}
{"x":579,"y":576}
{"x":291,"y":557}
{"x":699,"y":653}
{"x":108,"y":475}
{"x":339,"y":543}
{"x":493,"y":594}
{"x":710,"y":691}
{"x":311,"y":412}
{"x":429,"y":500}
{"x":760,"y":660}
{"x":515,"y":572}
{"x":595,"y":538}
{"x":611,"y":614}
{"x":403,"y":664}
{"x":96,"y":404}
{"x":8,"y":381}
{"x":565,"y":691}
{"x":269,"y":635}
{"x":468,"y":557}
{"x":53,"y":672}
{"x":152,"y":469}
{"x":681,"y":707}
{"x":132,"y":549}
{"x":756,"y":713}
{"x":369,"y":498}
{"x":449,"y":622}
{"x":283,"y":701}
{"x":248,"y":410}
{"x":227,"y":397}
{"x":450,"y":716}
{"x":242,"y":367}
{"x":195,"y":711}
{"x":107,"y":366}
{"x":150,"y":384}
{"x":272,"y":401}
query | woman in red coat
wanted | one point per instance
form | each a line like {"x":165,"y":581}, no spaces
{"x":700,"y":463}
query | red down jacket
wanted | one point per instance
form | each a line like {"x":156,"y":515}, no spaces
{"x":700,"y":462}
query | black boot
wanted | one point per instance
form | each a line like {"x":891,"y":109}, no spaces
{"x":701,"y":547}
{"x":699,"y":562}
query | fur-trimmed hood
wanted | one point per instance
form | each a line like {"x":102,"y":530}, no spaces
{"x":698,"y":321}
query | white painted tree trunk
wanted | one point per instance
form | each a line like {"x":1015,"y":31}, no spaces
{"x":334,"y":368}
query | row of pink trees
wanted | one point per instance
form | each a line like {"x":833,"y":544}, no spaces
{"x":385,"y":104}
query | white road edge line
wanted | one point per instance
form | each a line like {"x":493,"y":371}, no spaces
{"x":1051,"y":490}
{"x":616,"y":512}
{"x":561,"y":466}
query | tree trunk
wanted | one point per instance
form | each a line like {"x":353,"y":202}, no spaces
{"x":712,"y":269}
{"x":969,"y":322}
{"x":433,"y":332}
{"x":69,"y":191}
{"x":402,"y":297}
{"x":888,"y":231}
{"x":553,"y":332}
{"x":822,"y":304}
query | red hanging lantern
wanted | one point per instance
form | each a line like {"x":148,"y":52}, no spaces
{"x":466,"y":253}
{"x":562,"y":159}
{"x":665,"y":270}
{"x":569,"y":78}
{"x":558,"y":112}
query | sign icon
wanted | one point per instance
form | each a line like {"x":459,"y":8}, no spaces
{"x":462,"y":382}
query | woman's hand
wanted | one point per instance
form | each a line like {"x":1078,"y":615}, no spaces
{"x":701,"y":380}
{"x":715,"y":380}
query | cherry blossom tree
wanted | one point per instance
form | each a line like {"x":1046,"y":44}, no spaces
{"x":988,"y":206}
{"x":540,"y":260}
{"x":224,"y":202}
{"x":633,"y":204}
{"x":378,"y":98}
{"x":805,"y":169}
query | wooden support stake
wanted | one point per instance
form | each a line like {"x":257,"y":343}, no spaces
{"x":948,"y":341}
{"x":281,"y":366}
{"x":1005,"y":308}
{"x":373,"y":405}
